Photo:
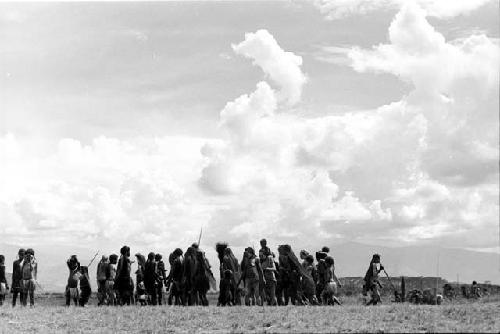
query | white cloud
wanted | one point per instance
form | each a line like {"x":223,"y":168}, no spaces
{"x":407,"y":169}
{"x":337,"y":9}
{"x":111,"y":191}
{"x":281,"y":66}
{"x":421,"y":168}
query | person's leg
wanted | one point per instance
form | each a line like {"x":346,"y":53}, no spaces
{"x":247,"y":292}
{"x":14,"y":297}
{"x":25,"y":292}
{"x":159,"y":292}
{"x":32,"y":292}
{"x":272,"y":293}
{"x":376,"y":294}
{"x":259,"y":299}
{"x":68,"y":297}
{"x":152,"y":292}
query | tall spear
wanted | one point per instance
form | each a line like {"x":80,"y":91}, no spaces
{"x":93,"y":259}
{"x":199,"y":238}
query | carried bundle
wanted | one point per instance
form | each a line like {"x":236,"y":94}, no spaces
{"x":288,"y":252}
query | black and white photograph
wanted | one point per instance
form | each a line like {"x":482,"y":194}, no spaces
{"x":265,"y":166}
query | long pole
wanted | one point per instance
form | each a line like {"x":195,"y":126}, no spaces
{"x":91,"y":261}
{"x":199,"y":237}
{"x":437,"y":274}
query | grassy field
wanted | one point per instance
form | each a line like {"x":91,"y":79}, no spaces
{"x":482,"y":316}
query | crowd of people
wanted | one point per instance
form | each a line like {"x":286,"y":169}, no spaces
{"x":258,"y":279}
{"x":24,"y":278}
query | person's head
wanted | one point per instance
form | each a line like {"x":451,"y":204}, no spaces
{"x":321,"y":256}
{"x":113,"y":258}
{"x":125,"y":251}
{"x":84,"y":270}
{"x":250,"y":251}
{"x":376,"y":258}
{"x":309,"y":259}
{"x":303,"y":254}
{"x":325,"y":249}
{"x":190,"y":251}
{"x":158,"y":257}
{"x":104,"y":258}
{"x":195,"y":245}
{"x":151,"y":256}
{"x":329,"y":261}
{"x":228,"y":251}
{"x":2,"y":259}
{"x":263,"y":243}
{"x":474,"y":283}
{"x":30,"y":251}
{"x":21,"y":253}
{"x":228,"y":274}
{"x":178,"y":252}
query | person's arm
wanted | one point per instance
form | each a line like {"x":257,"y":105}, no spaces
{"x":337,"y":280}
{"x":260,"y":271}
{"x":36,"y":270}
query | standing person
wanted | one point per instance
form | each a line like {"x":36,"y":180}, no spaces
{"x":263,"y":251}
{"x":123,"y":281}
{"x":29,"y":271}
{"x":226,"y":288}
{"x":175,"y":277}
{"x":308,"y":285}
{"x":371,"y":279}
{"x":17,"y":277}
{"x":73,"y":278}
{"x":150,"y":278}
{"x":140,"y":289}
{"x":252,"y":274}
{"x":161,"y":277}
{"x":4,"y":286}
{"x":320,"y":271}
{"x":332,"y":282}
{"x":85,"y":289}
{"x":110,"y":280}
{"x":475,"y":290}
{"x":101,"y":280}
{"x":229,"y":262}
{"x":269,"y":269}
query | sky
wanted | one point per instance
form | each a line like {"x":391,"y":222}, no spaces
{"x":311,"y":123}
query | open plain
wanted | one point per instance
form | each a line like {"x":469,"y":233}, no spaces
{"x":352,"y":317}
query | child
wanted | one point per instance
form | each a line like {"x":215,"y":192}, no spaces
{"x":331,"y":283}
{"x":85,"y":289}
{"x":226,"y":288}
{"x":110,"y":279}
{"x":141,"y":293}
{"x":308,"y":285}
{"x":72,"y":292}
{"x":4,"y":286}
{"x":269,"y":269}
{"x":371,"y":279}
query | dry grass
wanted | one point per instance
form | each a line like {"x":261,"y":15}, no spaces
{"x":465,"y":317}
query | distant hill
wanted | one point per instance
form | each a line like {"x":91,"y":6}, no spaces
{"x":351,"y":260}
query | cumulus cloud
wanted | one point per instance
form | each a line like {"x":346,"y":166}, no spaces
{"x":337,"y":9}
{"x":422,"y":168}
{"x":111,"y":191}
{"x":456,"y":90}
{"x":418,"y":169}
{"x":282,"y":67}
